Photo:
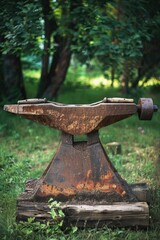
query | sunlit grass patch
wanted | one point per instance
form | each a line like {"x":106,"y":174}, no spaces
{"x":151,"y":82}
{"x":30,"y":73}
{"x":31,"y":81}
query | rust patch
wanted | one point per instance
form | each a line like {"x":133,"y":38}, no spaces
{"x":48,"y":190}
{"x":91,"y":186}
{"x":106,"y":178}
{"x":105,"y":185}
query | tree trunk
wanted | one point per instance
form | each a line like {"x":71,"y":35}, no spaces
{"x":150,"y":61}
{"x":125,"y":78}
{"x":13,"y":77}
{"x":1,"y":80}
{"x":45,"y":66}
{"x":58,"y":70}
{"x":53,"y":75}
{"x":112,"y":75}
{"x":2,"y":88}
{"x":49,"y":26}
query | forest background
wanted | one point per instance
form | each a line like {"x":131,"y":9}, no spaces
{"x":119,"y":39}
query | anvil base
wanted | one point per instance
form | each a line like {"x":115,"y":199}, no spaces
{"x":91,"y":191}
{"x":117,"y":214}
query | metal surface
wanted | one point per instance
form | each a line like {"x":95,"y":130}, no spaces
{"x":81,"y":171}
{"x":33,"y":100}
{"x":82,"y":119}
{"x":146,"y":108}
{"x":74,"y":119}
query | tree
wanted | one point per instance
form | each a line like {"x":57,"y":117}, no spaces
{"x":18,"y":24}
{"x":53,"y":75}
{"x":150,"y":61}
{"x":60,"y":23}
{"x":13,"y":77}
{"x":125,"y":39}
{"x":144,"y":60}
{"x":138,"y":39}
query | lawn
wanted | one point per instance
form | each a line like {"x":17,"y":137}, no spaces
{"x":27,"y":147}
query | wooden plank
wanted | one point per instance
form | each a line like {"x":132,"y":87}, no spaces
{"x":121,"y":214}
{"x":117,"y":214}
{"x":103,"y":212}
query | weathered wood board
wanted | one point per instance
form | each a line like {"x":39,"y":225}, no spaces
{"x":121,"y":214}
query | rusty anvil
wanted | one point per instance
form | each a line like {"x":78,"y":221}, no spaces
{"x":81,"y":171}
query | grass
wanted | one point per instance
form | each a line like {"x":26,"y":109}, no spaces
{"x":27,"y":147}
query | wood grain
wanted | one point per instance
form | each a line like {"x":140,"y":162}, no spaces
{"x":121,"y":214}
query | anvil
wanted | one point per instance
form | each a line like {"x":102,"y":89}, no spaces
{"x":81,"y":171}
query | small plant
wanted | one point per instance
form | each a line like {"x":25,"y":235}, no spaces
{"x":48,"y":230}
{"x":27,"y":229}
{"x":55,"y":211}
{"x":58,"y":217}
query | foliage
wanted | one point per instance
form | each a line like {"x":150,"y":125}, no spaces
{"x":119,"y":34}
{"x":123,"y":37}
{"x":56,"y":212}
{"x":50,"y":230}
{"x":20,"y":26}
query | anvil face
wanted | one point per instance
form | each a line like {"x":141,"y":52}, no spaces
{"x":74,"y":119}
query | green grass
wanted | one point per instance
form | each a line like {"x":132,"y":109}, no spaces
{"x":27,"y":147}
